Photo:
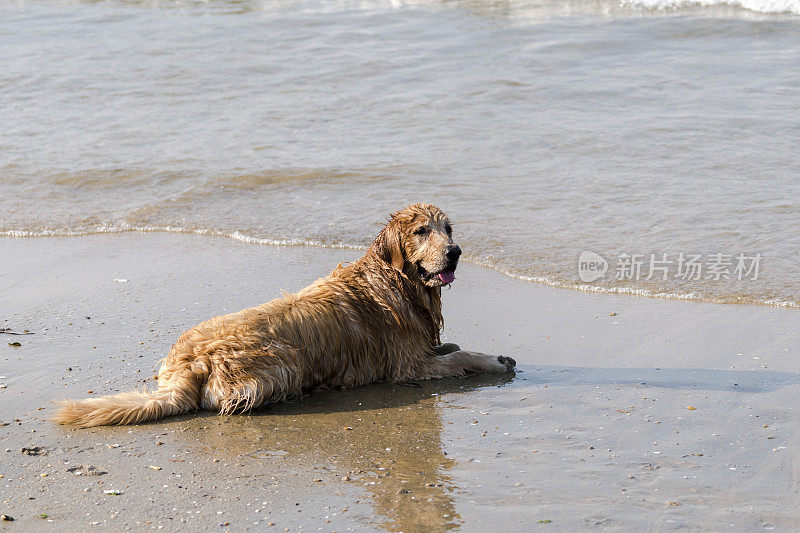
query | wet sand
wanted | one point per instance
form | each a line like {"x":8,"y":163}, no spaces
{"x":625,"y":412}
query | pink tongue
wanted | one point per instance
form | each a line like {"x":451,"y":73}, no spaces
{"x":448,"y":276}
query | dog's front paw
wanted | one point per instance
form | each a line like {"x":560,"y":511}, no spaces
{"x":446,"y":348}
{"x":508,"y":362}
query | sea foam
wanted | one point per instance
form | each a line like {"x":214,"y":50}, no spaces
{"x":759,"y":6}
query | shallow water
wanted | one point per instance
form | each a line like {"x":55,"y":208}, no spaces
{"x":543,"y":129}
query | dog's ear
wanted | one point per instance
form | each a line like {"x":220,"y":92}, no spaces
{"x":390,"y":248}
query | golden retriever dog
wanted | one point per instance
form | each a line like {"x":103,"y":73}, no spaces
{"x":376,"y":319}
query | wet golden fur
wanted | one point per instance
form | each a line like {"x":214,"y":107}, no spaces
{"x":375,"y":319}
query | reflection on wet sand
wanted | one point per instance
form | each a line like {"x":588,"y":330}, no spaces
{"x":386,"y":438}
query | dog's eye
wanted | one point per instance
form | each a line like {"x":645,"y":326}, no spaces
{"x":448,"y":229}
{"x":422,"y":230}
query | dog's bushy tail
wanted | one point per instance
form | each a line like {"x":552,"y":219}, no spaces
{"x":180,"y":396}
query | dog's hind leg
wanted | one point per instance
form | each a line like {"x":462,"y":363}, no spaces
{"x":458,"y":362}
{"x":249,"y":380}
{"x":231,"y":397}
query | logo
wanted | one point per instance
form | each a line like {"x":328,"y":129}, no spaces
{"x":591,"y":266}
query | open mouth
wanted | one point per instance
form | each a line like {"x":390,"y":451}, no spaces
{"x":445,"y":276}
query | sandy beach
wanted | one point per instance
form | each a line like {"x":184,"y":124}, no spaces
{"x":167,"y":161}
{"x":625,"y":412}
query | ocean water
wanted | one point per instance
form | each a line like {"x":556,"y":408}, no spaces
{"x":545,"y":129}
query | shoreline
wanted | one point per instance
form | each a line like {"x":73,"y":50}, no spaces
{"x":541,"y":280}
{"x":594,"y":430}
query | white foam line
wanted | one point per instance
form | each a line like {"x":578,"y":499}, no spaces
{"x":758,"y":6}
{"x":123,"y":228}
{"x":691,"y":296}
{"x":239,"y":236}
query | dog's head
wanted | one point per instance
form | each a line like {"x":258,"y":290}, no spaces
{"x":418,"y":241}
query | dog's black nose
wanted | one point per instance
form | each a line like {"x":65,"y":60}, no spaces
{"x":453,"y":252}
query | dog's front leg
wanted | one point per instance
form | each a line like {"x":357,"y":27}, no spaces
{"x":460,"y":361}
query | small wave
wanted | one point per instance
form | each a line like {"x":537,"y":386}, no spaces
{"x":123,"y":228}
{"x":687,"y":296}
{"x":758,"y":6}
{"x":544,"y":280}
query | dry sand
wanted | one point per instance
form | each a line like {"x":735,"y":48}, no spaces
{"x":663,"y":415}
